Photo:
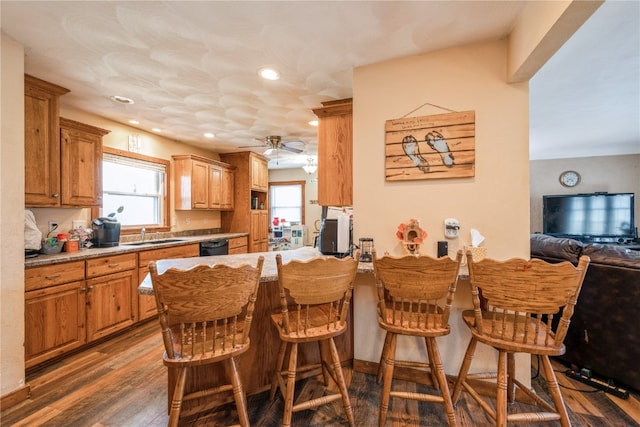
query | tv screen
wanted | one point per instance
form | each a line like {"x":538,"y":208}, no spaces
{"x":595,"y":217}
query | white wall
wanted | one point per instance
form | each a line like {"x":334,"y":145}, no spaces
{"x":613,"y":174}
{"x":495,"y":201}
{"x":11,"y":216}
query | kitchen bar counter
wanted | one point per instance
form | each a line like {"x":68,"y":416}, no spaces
{"x":269,"y":269}
{"x":123,"y":248}
{"x":256,"y":366}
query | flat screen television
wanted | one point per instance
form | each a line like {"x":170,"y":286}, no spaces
{"x":594,"y":217}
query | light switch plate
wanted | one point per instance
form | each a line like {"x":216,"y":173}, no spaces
{"x":451,"y":228}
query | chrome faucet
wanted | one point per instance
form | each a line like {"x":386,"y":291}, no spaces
{"x":143,"y":231}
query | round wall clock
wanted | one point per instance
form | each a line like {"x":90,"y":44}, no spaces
{"x":569,"y":178}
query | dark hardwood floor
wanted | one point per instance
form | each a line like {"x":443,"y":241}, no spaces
{"x":122,"y":382}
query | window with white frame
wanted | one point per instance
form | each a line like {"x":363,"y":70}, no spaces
{"x":286,"y":200}
{"x":137,"y":183}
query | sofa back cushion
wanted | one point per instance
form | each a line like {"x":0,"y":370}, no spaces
{"x":543,"y":245}
{"x":617,"y":255}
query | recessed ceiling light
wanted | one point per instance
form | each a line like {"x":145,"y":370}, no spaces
{"x":269,"y":73}
{"x":121,"y":99}
{"x":313,"y":123}
{"x":209,"y":135}
{"x":156,"y":130}
{"x":134,"y":122}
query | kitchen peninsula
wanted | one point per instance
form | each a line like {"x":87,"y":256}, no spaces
{"x":362,"y":343}
{"x":257,"y":364}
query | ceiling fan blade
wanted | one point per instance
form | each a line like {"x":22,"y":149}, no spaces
{"x":292,"y":149}
{"x":295,"y":143}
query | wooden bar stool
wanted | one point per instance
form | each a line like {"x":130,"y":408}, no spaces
{"x":205,"y":314}
{"x":411,"y":293}
{"x":314,"y":304}
{"x":521,"y":298}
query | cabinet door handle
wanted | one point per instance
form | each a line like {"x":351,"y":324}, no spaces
{"x":114,"y":265}
{"x":83,"y":290}
{"x":89,"y":288}
{"x":52,"y":277}
{"x":55,"y":195}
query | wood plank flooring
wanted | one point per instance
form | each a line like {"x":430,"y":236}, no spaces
{"x":122,"y":382}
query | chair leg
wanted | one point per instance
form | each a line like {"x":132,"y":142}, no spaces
{"x":238,"y":393}
{"x":432,"y":365}
{"x":501,"y":395}
{"x":387,"y":378}
{"x":278,"y":372}
{"x":291,"y":383}
{"x":511,"y":375}
{"x":323,"y":362}
{"x":176,"y":401}
{"x":383,"y":356}
{"x":342,"y":385}
{"x":441,"y":379}
{"x":554,"y":390}
{"x":464,"y":369}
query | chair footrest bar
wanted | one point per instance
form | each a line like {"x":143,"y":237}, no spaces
{"x":316,"y":402}
{"x":417,"y":396}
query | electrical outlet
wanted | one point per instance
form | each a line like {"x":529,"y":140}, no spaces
{"x":52,"y":226}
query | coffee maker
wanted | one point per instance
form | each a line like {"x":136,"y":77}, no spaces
{"x":106,"y":230}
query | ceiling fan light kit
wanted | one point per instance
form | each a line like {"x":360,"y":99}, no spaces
{"x":310,"y":167}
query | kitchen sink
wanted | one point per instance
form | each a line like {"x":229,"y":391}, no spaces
{"x":154,"y":242}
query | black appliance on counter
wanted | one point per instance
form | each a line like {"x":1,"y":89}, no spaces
{"x":214,"y":247}
{"x":106,"y":232}
{"x":334,"y":238}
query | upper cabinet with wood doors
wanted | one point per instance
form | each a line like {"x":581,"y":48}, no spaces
{"x":202,"y":183}
{"x":259,"y":174}
{"x":80,"y":163}
{"x":42,"y":142}
{"x":335,"y":153}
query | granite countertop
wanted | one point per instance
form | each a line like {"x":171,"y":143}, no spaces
{"x":123,"y":248}
{"x":269,"y":269}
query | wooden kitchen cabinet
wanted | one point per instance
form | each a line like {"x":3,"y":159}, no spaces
{"x":112,"y":294}
{"x":42,"y":142}
{"x":227,"y":188}
{"x":335,"y":153}
{"x":54,"y":311}
{"x":259,"y":173}
{"x":259,"y":231}
{"x":147,"y":303}
{"x":250,"y":173}
{"x":199,"y":183}
{"x":220,"y":187}
{"x":80,"y":164}
{"x":238,"y":245}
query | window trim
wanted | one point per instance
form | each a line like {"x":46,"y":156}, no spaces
{"x":95,"y":211}
{"x":302,"y":196}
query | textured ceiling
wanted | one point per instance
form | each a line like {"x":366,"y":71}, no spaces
{"x":191,"y":67}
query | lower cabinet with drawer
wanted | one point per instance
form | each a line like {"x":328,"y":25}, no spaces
{"x":112,"y":294}
{"x":54,"y":311}
{"x":147,"y":303}
{"x":71,"y":304}
{"x":238,"y":245}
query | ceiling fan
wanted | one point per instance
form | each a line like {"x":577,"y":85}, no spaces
{"x":274,"y":143}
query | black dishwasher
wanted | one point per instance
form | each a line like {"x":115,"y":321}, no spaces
{"x":214,"y":247}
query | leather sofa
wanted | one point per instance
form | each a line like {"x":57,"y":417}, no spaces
{"x":604,"y":335}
